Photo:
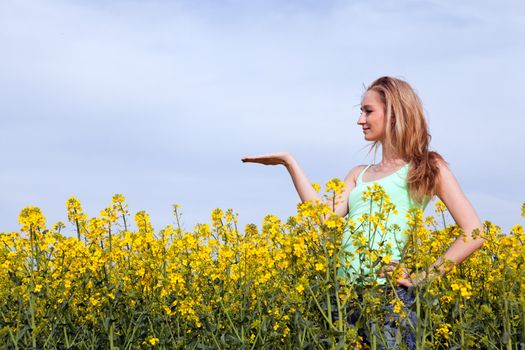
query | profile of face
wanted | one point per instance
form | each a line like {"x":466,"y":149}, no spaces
{"x":373,"y":117}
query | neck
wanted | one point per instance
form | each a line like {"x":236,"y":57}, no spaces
{"x":389,"y":157}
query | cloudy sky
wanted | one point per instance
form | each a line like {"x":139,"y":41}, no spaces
{"x":159,"y":100}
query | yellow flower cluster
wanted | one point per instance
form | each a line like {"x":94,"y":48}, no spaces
{"x":442,"y":334}
{"x":464,"y":288}
{"x":218,"y":287}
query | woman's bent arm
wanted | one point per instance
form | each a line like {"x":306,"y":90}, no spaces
{"x":463,"y":214}
{"x":465,"y":217}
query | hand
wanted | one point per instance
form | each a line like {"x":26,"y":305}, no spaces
{"x":411,"y":280}
{"x":270,"y":159}
{"x":388,"y":268}
{"x":406,"y":279}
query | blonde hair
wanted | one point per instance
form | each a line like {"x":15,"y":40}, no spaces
{"x":407,"y":135}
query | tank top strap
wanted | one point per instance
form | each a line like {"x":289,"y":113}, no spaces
{"x":360,"y":176}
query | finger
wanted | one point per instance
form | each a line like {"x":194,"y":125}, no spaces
{"x":253,"y":160}
{"x":404,"y":282}
{"x":384,"y":271}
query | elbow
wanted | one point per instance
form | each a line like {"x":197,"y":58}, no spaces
{"x":479,"y":242}
{"x":476,"y":241}
{"x":476,"y":237}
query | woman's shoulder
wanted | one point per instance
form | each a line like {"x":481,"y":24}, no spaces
{"x":442,"y":166}
{"x":353,"y":174}
{"x":445,"y":177}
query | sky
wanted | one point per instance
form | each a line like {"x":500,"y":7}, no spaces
{"x":159,"y":100}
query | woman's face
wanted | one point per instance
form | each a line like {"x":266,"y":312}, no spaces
{"x":372,"y":118}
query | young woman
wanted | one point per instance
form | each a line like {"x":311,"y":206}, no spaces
{"x":392,"y":118}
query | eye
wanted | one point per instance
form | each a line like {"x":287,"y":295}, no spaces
{"x":366,"y":112}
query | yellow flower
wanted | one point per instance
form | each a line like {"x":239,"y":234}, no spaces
{"x":59,"y":226}
{"x":465,"y":292}
{"x":108,"y":215}
{"x":31,"y":218}
{"x":286,"y":331}
{"x":94,"y":301}
{"x":440,"y":207}
{"x":517,"y":231}
{"x":445,"y":299}
{"x":73,"y":209}
{"x":443,"y":331}
{"x":150,"y":340}
{"x":143,"y":222}
{"x":397,"y":306}
{"x":216,"y":217}
{"x":117,"y":198}
{"x":464,"y":288}
{"x":230,"y":216}
{"x":118,"y":204}
{"x":335,"y":185}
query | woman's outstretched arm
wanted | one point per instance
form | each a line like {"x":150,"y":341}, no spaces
{"x":302,"y":184}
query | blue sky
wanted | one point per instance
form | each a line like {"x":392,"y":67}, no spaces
{"x":159,"y":100}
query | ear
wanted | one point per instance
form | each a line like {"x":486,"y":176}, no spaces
{"x":393,"y":120}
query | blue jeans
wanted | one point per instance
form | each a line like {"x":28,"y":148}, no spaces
{"x":406,"y":324}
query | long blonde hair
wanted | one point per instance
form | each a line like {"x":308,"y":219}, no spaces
{"x":407,"y":135}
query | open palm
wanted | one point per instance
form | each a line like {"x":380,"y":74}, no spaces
{"x":268,"y":159}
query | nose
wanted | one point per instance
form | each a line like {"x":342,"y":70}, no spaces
{"x":361,"y":120}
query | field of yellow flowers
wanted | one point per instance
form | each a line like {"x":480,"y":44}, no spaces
{"x":278,"y":286}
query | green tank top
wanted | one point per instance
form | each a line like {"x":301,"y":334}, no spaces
{"x":396,"y":186}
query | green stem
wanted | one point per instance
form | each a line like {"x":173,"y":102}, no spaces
{"x":507,"y":326}
{"x":32,"y":314}
{"x":462,"y":332}
{"x":78,"y":229}
{"x":111,"y":344}
{"x":327,"y":318}
{"x":522,"y":304}
{"x":231,"y":322}
{"x":12,"y":336}
{"x":66,"y":338}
